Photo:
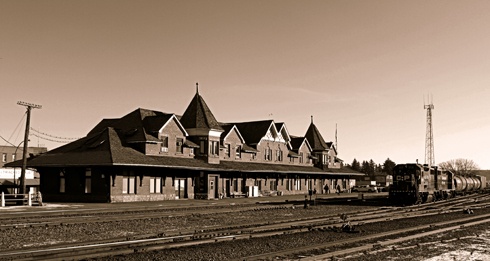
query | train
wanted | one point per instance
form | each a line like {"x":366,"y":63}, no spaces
{"x":416,"y":183}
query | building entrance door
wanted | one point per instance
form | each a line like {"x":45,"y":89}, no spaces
{"x":179,"y":185}
{"x":212,"y":188}
{"x":228,"y":188}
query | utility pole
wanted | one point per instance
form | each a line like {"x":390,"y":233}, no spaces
{"x":29,"y":106}
{"x":429,"y":137}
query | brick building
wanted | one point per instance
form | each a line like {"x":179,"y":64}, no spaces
{"x":149,"y":155}
{"x":9,"y":177}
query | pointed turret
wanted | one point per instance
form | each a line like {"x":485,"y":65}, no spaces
{"x":199,"y":116}
{"x":318,"y":145}
{"x":203,"y":128}
{"x":315,"y":138}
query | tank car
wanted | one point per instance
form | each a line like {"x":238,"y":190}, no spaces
{"x":469,"y":184}
{"x":416,"y":183}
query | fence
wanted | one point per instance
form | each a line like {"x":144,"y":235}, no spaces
{"x":21,"y":199}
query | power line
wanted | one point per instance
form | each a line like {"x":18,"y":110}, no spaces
{"x":7,"y":141}
{"x":52,"y":136}
{"x":48,"y":139}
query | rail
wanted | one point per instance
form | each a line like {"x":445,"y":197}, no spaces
{"x":21,"y":199}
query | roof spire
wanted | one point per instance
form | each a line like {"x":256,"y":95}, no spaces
{"x":197,"y":87}
{"x":312,"y":119}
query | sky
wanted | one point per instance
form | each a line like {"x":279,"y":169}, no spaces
{"x":367,"y":67}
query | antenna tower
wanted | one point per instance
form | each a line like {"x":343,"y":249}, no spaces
{"x":429,"y":136}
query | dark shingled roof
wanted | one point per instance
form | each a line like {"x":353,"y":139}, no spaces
{"x":315,"y":139}
{"x":253,"y":131}
{"x":153,"y":124}
{"x":138,"y":126}
{"x":199,"y":116}
{"x":106,"y":149}
{"x":296,"y":142}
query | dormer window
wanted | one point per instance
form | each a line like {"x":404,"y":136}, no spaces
{"x":179,"y":145}
{"x":238,"y":152}
{"x":279,"y":155}
{"x":164,"y":147}
{"x":268,"y":154}
{"x":214,"y":148}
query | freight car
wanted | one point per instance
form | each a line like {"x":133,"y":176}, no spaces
{"x":416,"y":183}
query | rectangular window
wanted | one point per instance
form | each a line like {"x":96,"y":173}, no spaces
{"x":179,"y":145}
{"x":88,"y":181}
{"x":273,"y":185}
{"x":164,"y":147}
{"x":268,"y":154}
{"x":279,"y":155}
{"x":238,"y":152}
{"x":301,"y":157}
{"x":228,"y":150}
{"x":14,"y":157}
{"x":298,"y":184}
{"x":155,"y":185}
{"x":62,"y":182}
{"x":129,"y":185}
{"x":202,"y":147}
{"x":325,"y":160}
{"x":214,"y":148}
{"x":4,"y":157}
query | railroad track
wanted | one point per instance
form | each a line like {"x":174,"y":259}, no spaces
{"x":126,"y":245}
{"x":67,"y":217}
{"x":369,"y":242}
{"x":96,"y":217}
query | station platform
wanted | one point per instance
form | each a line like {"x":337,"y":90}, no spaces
{"x":183,"y":203}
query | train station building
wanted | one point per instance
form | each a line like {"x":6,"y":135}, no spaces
{"x":150,"y":155}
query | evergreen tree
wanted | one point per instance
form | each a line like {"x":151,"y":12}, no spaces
{"x":355,"y":165}
{"x":365,"y":167}
{"x":388,"y":166}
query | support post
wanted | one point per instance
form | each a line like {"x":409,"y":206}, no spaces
{"x":29,"y":106}
{"x":29,"y":199}
{"x":3,"y":199}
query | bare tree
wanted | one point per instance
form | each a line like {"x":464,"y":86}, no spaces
{"x":460,"y":166}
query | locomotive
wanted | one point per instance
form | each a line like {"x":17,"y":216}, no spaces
{"x":416,"y":183}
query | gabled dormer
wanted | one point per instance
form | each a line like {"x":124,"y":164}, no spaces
{"x":300,"y":151}
{"x":232,"y":143}
{"x":203,"y":128}
{"x":332,"y":160}
{"x":171,"y":135}
{"x":282,"y":132}
{"x":266,"y":139}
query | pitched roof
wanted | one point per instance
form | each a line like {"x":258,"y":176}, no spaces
{"x":253,"y":131}
{"x":296,"y":143}
{"x":199,"y":116}
{"x":315,"y":139}
{"x":228,"y":128}
{"x":134,"y":125}
{"x":140,"y":125}
{"x":106,"y":149}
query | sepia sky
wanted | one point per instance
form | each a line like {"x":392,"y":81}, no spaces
{"x":363,"y":65}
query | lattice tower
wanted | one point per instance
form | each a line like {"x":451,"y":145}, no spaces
{"x":429,"y":137}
